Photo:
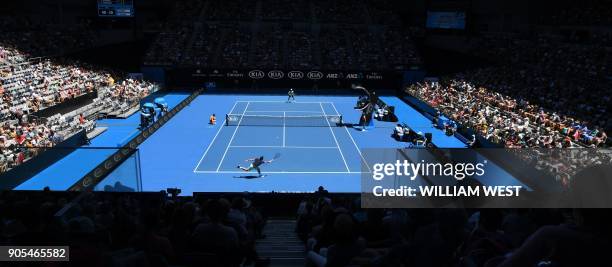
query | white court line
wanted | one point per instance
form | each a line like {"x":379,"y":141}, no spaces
{"x":314,"y":147}
{"x":282,"y":172}
{"x":357,"y":147}
{"x":263,"y":101}
{"x":336,"y":140}
{"x":213,"y":140}
{"x":284,"y":128}
{"x":234,"y":134}
{"x":317,"y":112}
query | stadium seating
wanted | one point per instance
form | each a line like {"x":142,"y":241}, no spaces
{"x":546,"y":82}
{"x":547,"y":91}
{"x":157,"y":229}
{"x":31,"y":85}
{"x":231,"y":37}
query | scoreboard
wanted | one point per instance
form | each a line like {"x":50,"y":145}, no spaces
{"x":445,"y":20}
{"x":116,"y":8}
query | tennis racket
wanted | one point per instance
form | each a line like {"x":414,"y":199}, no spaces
{"x":276,"y":156}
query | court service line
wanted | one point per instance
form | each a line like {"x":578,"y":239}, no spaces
{"x":314,"y":147}
{"x":336,"y":140}
{"x":307,"y":111}
{"x":282,"y":172}
{"x":233,"y":135}
{"x":213,"y":140}
{"x":354,"y":143}
{"x":264,"y":101}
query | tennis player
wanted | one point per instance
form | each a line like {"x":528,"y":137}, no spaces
{"x":291,"y":95}
{"x":255,"y":163}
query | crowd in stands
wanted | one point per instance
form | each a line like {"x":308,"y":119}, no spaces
{"x":151,"y":229}
{"x":36,"y":86}
{"x":35,"y":38}
{"x":563,"y":164}
{"x":341,"y":11}
{"x":268,"y":50}
{"x":280,"y":34}
{"x":334,"y":45}
{"x":338,"y":48}
{"x":231,"y":11}
{"x":379,"y":12}
{"x":157,"y":229}
{"x":168,"y":48}
{"x":300,"y":47}
{"x":546,"y":91}
{"x":366,"y":49}
{"x":553,"y":54}
{"x":505,"y":120}
{"x":572,"y":13}
{"x":337,"y":232}
{"x":202,"y":51}
{"x":284,"y":10}
{"x":399,"y":49}
{"x":28,"y":86}
{"x":235,"y":51}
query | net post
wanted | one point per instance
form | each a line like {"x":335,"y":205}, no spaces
{"x":226,"y":120}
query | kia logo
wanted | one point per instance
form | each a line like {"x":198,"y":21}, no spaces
{"x":256,"y":74}
{"x":276,"y":74}
{"x":315,"y":75}
{"x":295,"y":75}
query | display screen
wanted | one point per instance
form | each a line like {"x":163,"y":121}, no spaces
{"x":446,"y":20}
{"x":116,"y":8}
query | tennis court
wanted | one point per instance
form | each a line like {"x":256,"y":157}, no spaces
{"x":190,"y":154}
{"x":314,"y":148}
{"x":305,"y":137}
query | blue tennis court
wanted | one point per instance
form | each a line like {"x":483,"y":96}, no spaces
{"x":313,"y":148}
{"x":307,"y":137}
{"x":190,"y":154}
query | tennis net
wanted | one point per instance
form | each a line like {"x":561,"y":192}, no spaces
{"x":283,"y":121}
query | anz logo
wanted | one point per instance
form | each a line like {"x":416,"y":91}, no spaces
{"x":353,"y":76}
{"x":256,"y":74}
{"x":315,"y":75}
{"x":276,"y":74}
{"x":332,"y":76}
{"x":295,"y":75}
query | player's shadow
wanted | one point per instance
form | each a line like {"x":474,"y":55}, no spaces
{"x":249,"y":176}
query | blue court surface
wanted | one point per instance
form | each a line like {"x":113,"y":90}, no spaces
{"x":190,"y":154}
{"x":299,"y":132}
{"x":64,"y":173}
{"x":309,"y":147}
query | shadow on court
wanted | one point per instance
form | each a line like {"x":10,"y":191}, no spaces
{"x":250,"y":176}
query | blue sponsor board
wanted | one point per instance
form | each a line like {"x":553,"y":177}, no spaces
{"x":282,"y":78}
{"x":275,"y":74}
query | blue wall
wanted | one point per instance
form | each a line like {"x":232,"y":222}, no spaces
{"x":27,"y":170}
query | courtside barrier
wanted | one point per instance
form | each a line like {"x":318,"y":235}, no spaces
{"x":89,"y":181}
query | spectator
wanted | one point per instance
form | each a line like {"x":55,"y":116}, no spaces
{"x":157,"y":248}
{"x":346,"y":245}
{"x":214,"y":237}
